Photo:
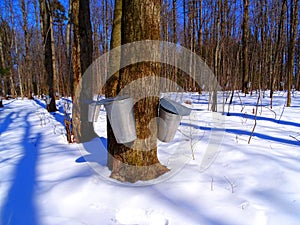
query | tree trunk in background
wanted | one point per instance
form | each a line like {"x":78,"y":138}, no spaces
{"x":48,"y":54}
{"x":200,"y":39}
{"x":292,"y":47}
{"x":15,"y":50}
{"x":245,"y":40}
{"x":278,"y":49}
{"x":6,"y":64}
{"x":82,"y":59}
{"x":298,"y":76}
{"x":174,"y":40}
{"x":53,"y":81}
{"x":2,"y":68}
{"x":26,"y":65}
{"x":140,"y":21}
{"x":217,"y":56}
{"x":69,"y":48}
{"x":37,"y":58}
{"x":112,"y":84}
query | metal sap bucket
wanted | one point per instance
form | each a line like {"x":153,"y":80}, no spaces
{"x":170,"y":114}
{"x":94,"y":110}
{"x":121,"y":117}
{"x":48,"y":100}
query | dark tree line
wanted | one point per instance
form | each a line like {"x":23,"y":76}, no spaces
{"x":248,"y":44}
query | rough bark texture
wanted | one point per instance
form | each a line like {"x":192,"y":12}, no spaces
{"x":82,"y":59}
{"x":112,"y":84}
{"x":48,"y":60}
{"x":140,"y":21}
{"x":2,"y":68}
{"x":292,"y":47}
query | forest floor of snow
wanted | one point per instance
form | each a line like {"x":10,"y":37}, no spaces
{"x":216,"y":177}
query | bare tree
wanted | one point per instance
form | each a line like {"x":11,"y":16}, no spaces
{"x":49,"y":58}
{"x":140,"y":21}
{"x":7,"y":85}
{"x":245,"y":40}
{"x":27,"y":61}
{"x":111,"y":87}
{"x":82,"y":59}
{"x":292,"y":46}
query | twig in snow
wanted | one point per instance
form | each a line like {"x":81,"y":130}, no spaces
{"x":193,"y":141}
{"x":295,"y":138}
{"x":255,"y":119}
{"x":281,"y":114}
{"x":232,"y":185}
{"x":272,"y":111}
{"x":242,"y":104}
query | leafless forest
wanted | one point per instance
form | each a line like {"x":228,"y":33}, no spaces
{"x":248,"y":44}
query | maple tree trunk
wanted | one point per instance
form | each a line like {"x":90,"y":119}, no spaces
{"x":82,"y":59}
{"x":48,"y":52}
{"x":291,"y":48}
{"x":140,"y":21}
{"x":112,"y":84}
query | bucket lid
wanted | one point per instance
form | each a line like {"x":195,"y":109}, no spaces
{"x":174,"y":107}
{"x":112,"y":99}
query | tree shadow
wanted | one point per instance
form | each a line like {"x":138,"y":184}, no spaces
{"x":261,"y":118}
{"x":187,"y":208}
{"x":19,"y":207}
{"x":7,"y":103}
{"x":5,"y":123}
{"x":94,"y":151}
{"x":278,"y":201}
{"x":59,"y":117}
{"x":244,"y":132}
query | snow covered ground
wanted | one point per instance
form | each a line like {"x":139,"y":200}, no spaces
{"x":46,"y":181}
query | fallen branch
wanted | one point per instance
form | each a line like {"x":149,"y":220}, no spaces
{"x":295,"y":138}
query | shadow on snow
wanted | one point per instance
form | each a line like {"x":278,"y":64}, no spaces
{"x":19,"y":206}
{"x":94,"y":151}
{"x":5,"y":123}
{"x":260,"y":118}
{"x":58,"y":116}
{"x":244,"y":132}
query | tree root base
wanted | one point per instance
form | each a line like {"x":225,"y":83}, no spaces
{"x":129,"y":173}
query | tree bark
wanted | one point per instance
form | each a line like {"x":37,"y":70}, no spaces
{"x":82,"y":59}
{"x":2,"y":69}
{"x":140,"y":21}
{"x":15,"y":50}
{"x":279,"y":48}
{"x":111,"y":86}
{"x":48,"y":51}
{"x":27,"y":61}
{"x":292,"y":47}
{"x":69,"y":48}
{"x":245,"y":40}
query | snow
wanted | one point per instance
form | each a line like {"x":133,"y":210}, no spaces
{"x":216,"y":177}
